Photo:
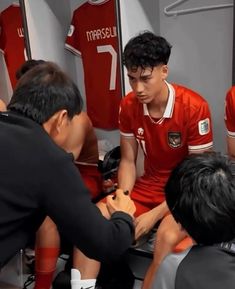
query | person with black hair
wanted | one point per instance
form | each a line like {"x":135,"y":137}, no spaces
{"x":38,"y":177}
{"x":82,"y":143}
{"x":200,"y":194}
{"x":26,"y":66}
{"x":168,"y":122}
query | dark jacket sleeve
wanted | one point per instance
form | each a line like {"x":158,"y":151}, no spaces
{"x":68,"y":203}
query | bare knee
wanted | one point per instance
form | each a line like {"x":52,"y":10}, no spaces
{"x":47,"y":227}
{"x":168,"y":237}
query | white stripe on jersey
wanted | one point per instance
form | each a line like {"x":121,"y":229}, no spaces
{"x":201,"y":147}
{"x":127,"y":134}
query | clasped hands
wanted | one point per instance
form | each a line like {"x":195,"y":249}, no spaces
{"x":120,"y":201}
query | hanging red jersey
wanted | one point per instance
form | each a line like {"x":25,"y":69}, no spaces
{"x":93,"y":35}
{"x":12,"y":39}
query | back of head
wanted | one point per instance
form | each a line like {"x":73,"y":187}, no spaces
{"x":29,"y":64}
{"x":146,"y":50}
{"x":200,"y":194}
{"x":44,"y":90}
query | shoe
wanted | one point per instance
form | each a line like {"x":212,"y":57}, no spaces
{"x":77,"y":283}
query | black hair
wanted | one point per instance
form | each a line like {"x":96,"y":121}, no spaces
{"x":44,"y":90}
{"x":200,"y":194}
{"x":29,"y":64}
{"x":146,"y":50}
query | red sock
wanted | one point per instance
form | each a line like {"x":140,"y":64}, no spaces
{"x":45,"y":265}
{"x":43,"y":280}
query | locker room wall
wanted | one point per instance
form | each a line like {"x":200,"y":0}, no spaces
{"x":5,"y":85}
{"x":202,"y":55}
{"x":47,"y":25}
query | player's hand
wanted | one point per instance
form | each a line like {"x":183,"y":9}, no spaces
{"x":120,"y":201}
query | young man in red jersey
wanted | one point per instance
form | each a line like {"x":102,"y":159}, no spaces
{"x":168,"y":122}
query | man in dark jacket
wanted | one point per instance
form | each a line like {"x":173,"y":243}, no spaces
{"x":38,"y":178}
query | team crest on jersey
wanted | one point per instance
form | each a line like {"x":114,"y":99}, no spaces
{"x":140,"y":131}
{"x":71,"y":30}
{"x":174,"y":139}
{"x":204,"y":126}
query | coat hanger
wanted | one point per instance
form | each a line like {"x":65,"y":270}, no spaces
{"x":167,"y":9}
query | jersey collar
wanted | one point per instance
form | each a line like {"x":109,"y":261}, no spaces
{"x":170,"y":103}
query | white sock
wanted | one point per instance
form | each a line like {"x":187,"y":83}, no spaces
{"x":77,"y":283}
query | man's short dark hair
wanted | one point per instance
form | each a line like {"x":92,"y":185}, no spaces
{"x":146,"y":50}
{"x":29,"y":64}
{"x":200,"y":194}
{"x":44,"y":90}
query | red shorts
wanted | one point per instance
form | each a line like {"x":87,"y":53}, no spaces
{"x":147,"y":194}
{"x":92,"y":178}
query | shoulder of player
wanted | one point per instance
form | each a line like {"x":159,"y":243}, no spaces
{"x":188,"y":97}
{"x":230,"y":95}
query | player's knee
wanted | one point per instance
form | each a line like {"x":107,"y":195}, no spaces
{"x":168,"y":237}
{"x":48,"y":228}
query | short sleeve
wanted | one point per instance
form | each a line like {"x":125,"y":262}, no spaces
{"x":200,"y":128}
{"x":125,"y":119}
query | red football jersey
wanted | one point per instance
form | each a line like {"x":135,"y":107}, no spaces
{"x":185,"y":127}
{"x":93,"y":35}
{"x":230,"y":112}
{"x":12,"y":39}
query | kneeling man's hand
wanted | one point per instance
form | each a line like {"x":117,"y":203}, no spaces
{"x":120,"y":201}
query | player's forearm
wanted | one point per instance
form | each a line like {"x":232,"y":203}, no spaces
{"x":126,"y":175}
{"x":160,"y":211}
